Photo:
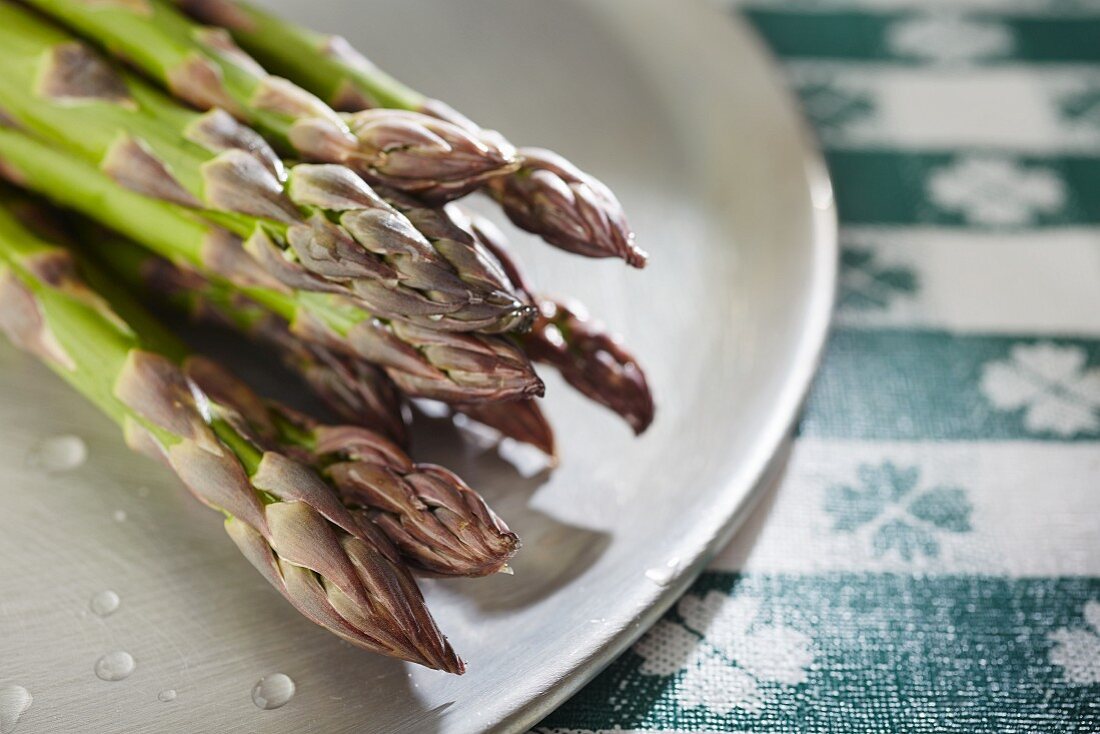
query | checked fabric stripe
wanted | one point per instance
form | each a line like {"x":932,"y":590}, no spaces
{"x":931,"y":560}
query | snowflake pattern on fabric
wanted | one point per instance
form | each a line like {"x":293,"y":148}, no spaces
{"x":867,"y":284}
{"x":1077,"y":651}
{"x":900,"y":518}
{"x":949,"y":38}
{"x":996,"y":190}
{"x":726,"y":660}
{"x":1051,"y":384}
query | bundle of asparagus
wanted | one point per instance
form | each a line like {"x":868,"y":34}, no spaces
{"x":188,"y":172}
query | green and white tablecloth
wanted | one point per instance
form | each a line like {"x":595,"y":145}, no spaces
{"x":931,"y":560}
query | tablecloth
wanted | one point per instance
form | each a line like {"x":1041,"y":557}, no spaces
{"x":930,"y":561}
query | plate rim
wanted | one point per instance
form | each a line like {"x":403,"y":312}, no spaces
{"x":774,"y":446}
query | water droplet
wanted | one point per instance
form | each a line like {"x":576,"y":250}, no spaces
{"x":663,"y":575}
{"x":119,"y":516}
{"x":168,"y":694}
{"x":14,"y":702}
{"x":272,"y":691}
{"x":57,"y":454}
{"x":105,"y":603}
{"x":114,"y":666}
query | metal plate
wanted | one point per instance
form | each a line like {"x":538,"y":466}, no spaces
{"x":676,"y":107}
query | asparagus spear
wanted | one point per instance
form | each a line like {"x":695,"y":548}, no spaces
{"x":591,"y":360}
{"x":464,"y":252}
{"x":339,"y":572}
{"x":567,"y":207}
{"x":340,"y":235}
{"x":438,"y":523}
{"x":357,"y":391}
{"x":203,"y":66}
{"x":423,"y":362}
{"x":354,"y":389}
{"x":547,"y":195}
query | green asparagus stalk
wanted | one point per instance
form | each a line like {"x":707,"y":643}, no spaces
{"x":593,"y":361}
{"x":203,"y":66}
{"x":423,"y":362}
{"x":438,"y":523}
{"x":546,"y":195}
{"x":328,"y":229}
{"x":358,"y":392}
{"x":353,"y":389}
{"x":339,"y":572}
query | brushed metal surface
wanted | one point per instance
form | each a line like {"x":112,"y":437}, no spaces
{"x":673,"y":105}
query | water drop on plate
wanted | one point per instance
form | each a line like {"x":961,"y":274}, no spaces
{"x":57,"y":454}
{"x":114,"y":666}
{"x":168,"y":694}
{"x":272,"y":691}
{"x":663,"y":575}
{"x":14,"y":702}
{"x":119,"y":515}
{"x":105,"y":603}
